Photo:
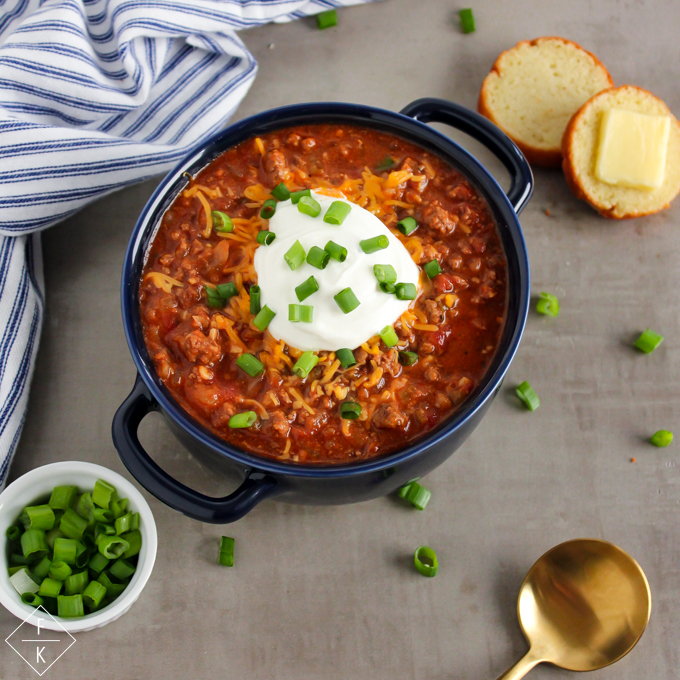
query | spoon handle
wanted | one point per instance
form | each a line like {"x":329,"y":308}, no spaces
{"x":521,"y":668}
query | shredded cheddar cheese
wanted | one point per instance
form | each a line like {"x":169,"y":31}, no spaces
{"x":302,"y":403}
{"x":163,"y":281}
{"x":425,"y":327}
{"x":192,"y":191}
{"x":259,"y":145}
{"x":208,"y":214}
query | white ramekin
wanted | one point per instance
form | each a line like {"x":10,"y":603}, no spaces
{"x":37,"y":484}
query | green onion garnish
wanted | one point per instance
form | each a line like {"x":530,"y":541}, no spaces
{"x":407,"y":225}
{"x":214,"y":298}
{"x":337,"y":252}
{"x":70,"y":606}
{"x":407,"y":358}
{"x":327,"y":19}
{"x":302,"y":313}
{"x":241,"y":420}
{"x":75,"y":583}
{"x":648,"y":341}
{"x":65,"y":550}
{"x":122,"y":569}
{"x":467,"y":20}
{"x":32,"y":599}
{"x":337,"y":212}
{"x":425,"y":560}
{"x":432,"y":269}
{"x":385,"y":273}
{"x":406,"y":291}
{"x":346,"y":357}
{"x":98,"y":563}
{"x":280,"y":192}
{"x":528,"y":396}
{"x":373,"y":245}
{"x":112,"y":547}
{"x":268,"y":209}
{"x":346,"y":300}
{"x":93,"y":595}
{"x":72,"y":525}
{"x":62,"y":496}
{"x":101,"y":515}
{"x":318,"y":257}
{"x":548,"y":305}
{"x":389,"y":336}
{"x":13,"y":533}
{"x":42,"y":569}
{"x":254,"y":293}
{"x":226,"y":558}
{"x":295,"y":255}
{"x":265,"y":237}
{"x":103,"y":494}
{"x":37,"y":517}
{"x":250,"y":364}
{"x":113,"y":588}
{"x":134,"y":538}
{"x":297,"y":195}
{"x":660,"y":438}
{"x":226,"y":290}
{"x":309,"y":206}
{"x":50,"y":587}
{"x":350,"y":410}
{"x":418,"y":496}
{"x":306,"y":288}
{"x":263,"y":318}
{"x":221,"y":222}
{"x":385,"y":164}
{"x":22,"y":582}
{"x":388,"y":287}
{"x":305,"y":364}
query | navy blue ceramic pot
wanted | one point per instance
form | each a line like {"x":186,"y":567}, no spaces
{"x":263,"y":478}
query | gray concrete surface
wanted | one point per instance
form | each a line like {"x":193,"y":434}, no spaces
{"x":329,"y":592}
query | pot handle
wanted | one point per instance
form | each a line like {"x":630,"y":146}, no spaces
{"x":256,"y":487}
{"x":483,"y":130}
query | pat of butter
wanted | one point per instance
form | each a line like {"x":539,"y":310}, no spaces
{"x":632,"y":149}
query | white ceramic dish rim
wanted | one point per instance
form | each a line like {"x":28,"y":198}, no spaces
{"x":39,"y":482}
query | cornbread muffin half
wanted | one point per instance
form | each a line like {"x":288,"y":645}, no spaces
{"x":533,"y":90}
{"x":580,"y":149}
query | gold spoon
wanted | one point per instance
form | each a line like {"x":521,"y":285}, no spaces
{"x":582,"y":606}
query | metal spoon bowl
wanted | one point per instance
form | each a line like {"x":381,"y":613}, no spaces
{"x":582,"y":606}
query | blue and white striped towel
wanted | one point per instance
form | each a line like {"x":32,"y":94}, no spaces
{"x":95,"y":95}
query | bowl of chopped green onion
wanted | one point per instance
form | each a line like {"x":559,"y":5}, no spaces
{"x":79,"y":541}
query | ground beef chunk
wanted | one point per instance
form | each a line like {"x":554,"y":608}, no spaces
{"x":276,"y":167}
{"x":389,"y":362}
{"x":199,"y":348}
{"x":434,"y":313}
{"x":388,"y":416}
{"x":439,"y":219}
{"x":279,"y":423}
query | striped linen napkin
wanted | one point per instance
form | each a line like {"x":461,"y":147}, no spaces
{"x":95,"y":95}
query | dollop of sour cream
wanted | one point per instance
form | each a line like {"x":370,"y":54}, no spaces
{"x":330,"y":329}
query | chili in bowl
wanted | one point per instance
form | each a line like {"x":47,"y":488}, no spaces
{"x":318,"y":293}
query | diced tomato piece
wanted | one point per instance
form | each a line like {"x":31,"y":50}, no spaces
{"x":443,"y":283}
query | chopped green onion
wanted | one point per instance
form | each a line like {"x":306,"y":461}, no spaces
{"x":263,"y":318}
{"x":251,"y":365}
{"x":254,"y":299}
{"x":385,"y":273}
{"x":134,"y":538}
{"x":346,"y":300}
{"x":280,"y":192}
{"x":123,"y":523}
{"x":113,"y":589}
{"x":135,"y":521}
{"x":72,"y":525}
{"x":37,"y":517}
{"x":19,"y":559}
{"x":648,"y":341}
{"x":389,"y":336}
{"x":50,"y":587}
{"x":407,"y":358}
{"x":93,"y":595}
{"x":418,"y":496}
{"x":403,"y":491}
{"x":31,"y":599}
{"x":295,"y":255}
{"x":222,"y":222}
{"x":432,"y":269}
{"x":350,"y":410}
{"x":33,"y":544}
{"x":385,"y":164}
{"x":302,"y":313}
{"x":265,"y":237}
{"x":226,"y":558}
{"x":227,"y":290}
{"x":13,"y":570}
{"x":103,"y":494}
{"x":406,"y":291}
{"x":101,"y":515}
{"x":327,"y":19}
{"x":112,"y":546}
{"x":297,"y":195}
{"x":103,"y":529}
{"x":214,"y":298}
{"x":98,"y":563}
{"x":83,"y":556}
{"x":337,"y":252}
{"x":41,"y":569}
{"x":76,"y":583}
{"x":467,"y":20}
{"x":23,"y":583}
{"x":305,"y":364}
{"x":241,"y":420}
{"x":388,"y":287}
{"x":62,"y":496}
{"x":65,"y":550}
{"x":318,"y":257}
{"x":346,"y":357}
{"x":268,"y":209}
{"x":660,"y":438}
{"x":51,"y":536}
{"x":528,"y":396}
{"x":70,"y":606}
{"x":306,"y":288}
{"x":373,"y":245}
{"x":13,"y":533}
{"x":85,"y":507}
{"x":407,"y":225}
{"x":122,"y":569}
{"x":337,"y":212}
{"x":548,"y":305}
{"x":425,"y":560}
{"x":309,"y":206}
{"x":59,"y":571}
